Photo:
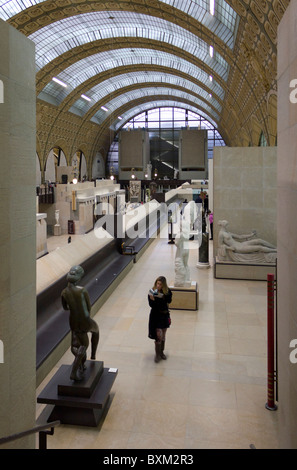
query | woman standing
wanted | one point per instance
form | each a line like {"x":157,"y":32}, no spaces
{"x":159,"y":297}
{"x":210,"y":218}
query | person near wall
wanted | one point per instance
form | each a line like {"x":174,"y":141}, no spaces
{"x":159,"y":297}
{"x":210,"y":219}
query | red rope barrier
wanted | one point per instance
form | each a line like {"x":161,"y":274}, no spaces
{"x":270,"y":405}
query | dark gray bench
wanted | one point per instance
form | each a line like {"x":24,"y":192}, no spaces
{"x":101,"y":270}
{"x":52,"y":320}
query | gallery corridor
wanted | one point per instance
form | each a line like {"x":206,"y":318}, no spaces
{"x":210,"y":393}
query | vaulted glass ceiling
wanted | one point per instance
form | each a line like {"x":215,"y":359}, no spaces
{"x":230,"y":55}
{"x":132,"y":95}
{"x":223,"y":24}
{"x":61,"y":36}
{"x":83,"y":70}
{"x":102,"y":90}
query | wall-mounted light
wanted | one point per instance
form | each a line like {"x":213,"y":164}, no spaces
{"x":55,"y":79}
{"x":74,"y":181}
{"x":133,"y":174}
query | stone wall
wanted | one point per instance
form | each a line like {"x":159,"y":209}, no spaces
{"x":17,"y":236}
{"x":244,"y":182}
{"x":287,"y":226}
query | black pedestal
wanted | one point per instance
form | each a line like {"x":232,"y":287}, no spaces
{"x":79,"y":403}
{"x":203,"y":249}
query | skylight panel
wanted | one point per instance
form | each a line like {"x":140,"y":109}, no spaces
{"x":89,"y":67}
{"x":71,"y":32}
{"x":115,"y":83}
{"x":199,"y":10}
{"x":136,"y":94}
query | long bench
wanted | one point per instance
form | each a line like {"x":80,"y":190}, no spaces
{"x":52,"y":320}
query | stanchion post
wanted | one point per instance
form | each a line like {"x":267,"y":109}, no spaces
{"x":270,"y":405}
{"x":170,"y":227}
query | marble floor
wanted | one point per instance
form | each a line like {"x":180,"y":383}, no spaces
{"x":211,"y":391}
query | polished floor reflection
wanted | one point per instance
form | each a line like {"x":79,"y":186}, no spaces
{"x":211,"y":391}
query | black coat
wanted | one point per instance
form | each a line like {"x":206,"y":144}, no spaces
{"x":159,"y":314}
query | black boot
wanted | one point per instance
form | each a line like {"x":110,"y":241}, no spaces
{"x":158,"y":352}
{"x":162,"y":350}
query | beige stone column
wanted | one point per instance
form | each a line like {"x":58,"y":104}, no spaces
{"x":287,"y":226}
{"x":17,"y":235}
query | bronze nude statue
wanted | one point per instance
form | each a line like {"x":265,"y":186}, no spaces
{"x":76,"y":299}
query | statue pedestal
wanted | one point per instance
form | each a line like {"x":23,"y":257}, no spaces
{"x":242,"y":271}
{"x":185,"y":297}
{"x":79,"y":403}
{"x":57,"y":229}
{"x":203,"y":252}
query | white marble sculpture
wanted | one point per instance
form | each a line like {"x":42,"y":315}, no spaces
{"x":57,"y":226}
{"x":243,"y":248}
{"x":57,"y":216}
{"x":182,"y":270}
{"x":149,"y":171}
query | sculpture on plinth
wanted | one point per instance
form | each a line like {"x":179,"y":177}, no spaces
{"x":243,"y":248}
{"x":57,"y":226}
{"x":76,"y":300}
{"x":182,"y":270}
{"x":149,"y":171}
{"x":57,"y":216}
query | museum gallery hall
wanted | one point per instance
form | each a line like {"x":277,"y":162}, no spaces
{"x":148,"y":230}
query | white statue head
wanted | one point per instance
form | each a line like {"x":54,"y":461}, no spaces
{"x":223,"y":223}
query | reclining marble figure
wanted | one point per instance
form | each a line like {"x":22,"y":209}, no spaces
{"x":76,"y":299}
{"x":243,"y":248}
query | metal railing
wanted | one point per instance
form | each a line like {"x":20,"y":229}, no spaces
{"x":44,"y":430}
{"x":272,"y":362}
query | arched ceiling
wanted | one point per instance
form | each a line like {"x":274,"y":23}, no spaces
{"x":129,"y":54}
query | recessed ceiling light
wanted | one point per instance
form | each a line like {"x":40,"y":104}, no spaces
{"x":212,"y":7}
{"x":59,"y":82}
{"x":104,"y":109}
{"x":85,"y":97}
